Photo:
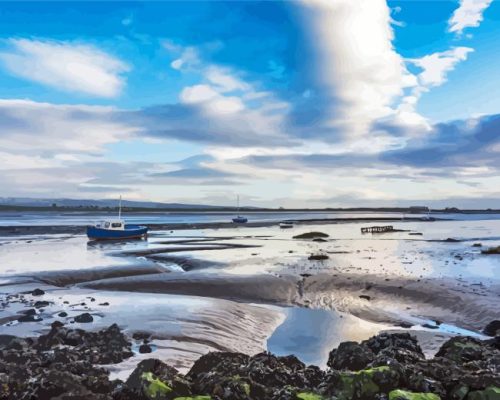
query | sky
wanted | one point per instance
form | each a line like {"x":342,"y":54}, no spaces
{"x":307,"y":103}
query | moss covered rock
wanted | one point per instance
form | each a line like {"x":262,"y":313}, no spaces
{"x":153,"y":387}
{"x":490,"y":393}
{"x":366,"y":383}
{"x":194,"y":398}
{"x":311,"y":235}
{"x":405,"y":395}
{"x":308,"y":396}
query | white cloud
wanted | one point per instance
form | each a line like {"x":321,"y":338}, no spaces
{"x":34,"y":128}
{"x":66,"y":66}
{"x":436,"y":66}
{"x":468,"y":14}
{"x":224,"y":80}
{"x":434,"y":72}
{"x":356,"y":62}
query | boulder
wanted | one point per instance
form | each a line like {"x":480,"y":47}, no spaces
{"x":405,"y":395}
{"x":350,"y":356}
{"x":84,"y":318}
{"x":493,"y":328}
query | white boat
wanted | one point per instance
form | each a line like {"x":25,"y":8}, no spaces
{"x":239,"y":219}
{"x":286,"y":224}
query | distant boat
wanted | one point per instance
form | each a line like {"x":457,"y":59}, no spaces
{"x":239,"y":219}
{"x":286,"y":224}
{"x":116,"y":229}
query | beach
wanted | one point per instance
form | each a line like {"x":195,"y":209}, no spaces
{"x":255,"y":288}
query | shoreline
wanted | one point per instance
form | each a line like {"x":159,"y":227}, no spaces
{"x":80,"y":229}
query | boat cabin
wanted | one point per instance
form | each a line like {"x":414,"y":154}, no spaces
{"x":115,"y":225}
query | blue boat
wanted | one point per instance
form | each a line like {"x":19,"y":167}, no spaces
{"x":239,"y":219}
{"x":116,"y":229}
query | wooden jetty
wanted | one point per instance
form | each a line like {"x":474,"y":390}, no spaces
{"x":377,"y":229}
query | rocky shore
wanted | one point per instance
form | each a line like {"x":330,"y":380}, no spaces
{"x":68,"y":363}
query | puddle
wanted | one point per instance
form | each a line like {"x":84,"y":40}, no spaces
{"x":310,"y":334}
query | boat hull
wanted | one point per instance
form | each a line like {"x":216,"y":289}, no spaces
{"x":130,"y":232}
{"x":240,"y":220}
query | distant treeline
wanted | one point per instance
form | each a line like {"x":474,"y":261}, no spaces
{"x":94,"y":208}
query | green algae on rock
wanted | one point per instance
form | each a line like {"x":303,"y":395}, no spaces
{"x":156,"y":389}
{"x":405,"y":395}
{"x":309,"y":396}
{"x":490,"y":393}
{"x":311,"y":235}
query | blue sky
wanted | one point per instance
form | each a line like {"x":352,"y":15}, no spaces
{"x":305,"y":103}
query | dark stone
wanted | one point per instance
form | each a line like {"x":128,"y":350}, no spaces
{"x":41,"y":303}
{"x":84,"y":318}
{"x":63,"y":314}
{"x":311,"y":235}
{"x":145,"y":348}
{"x":29,"y":318}
{"x":318,"y":257}
{"x":365,"y":297}
{"x":493,"y":328}
{"x":37,"y":292}
{"x":350,"y":356}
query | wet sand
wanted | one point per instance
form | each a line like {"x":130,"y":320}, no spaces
{"x":250,"y":288}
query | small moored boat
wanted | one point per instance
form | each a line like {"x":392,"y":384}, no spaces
{"x":116,"y":229}
{"x":239,"y":219}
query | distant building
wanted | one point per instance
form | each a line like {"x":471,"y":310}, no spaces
{"x":419,"y":209}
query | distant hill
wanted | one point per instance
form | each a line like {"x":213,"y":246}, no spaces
{"x":74,"y":203}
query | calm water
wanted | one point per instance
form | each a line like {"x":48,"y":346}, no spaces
{"x":85,"y":218}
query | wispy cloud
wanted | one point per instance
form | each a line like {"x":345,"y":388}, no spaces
{"x":469,"y":14}
{"x":65,"y":66}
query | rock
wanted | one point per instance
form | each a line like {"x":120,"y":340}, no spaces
{"x":84,"y":318}
{"x":308,"y":396}
{"x":491,"y":250}
{"x":451,"y":240}
{"x":29,"y":318}
{"x":154,"y":379}
{"x":364,"y":384}
{"x":405,"y":395}
{"x":63,"y":314}
{"x":462,"y":349}
{"x":104,"y":304}
{"x":365,"y":297}
{"x":477,"y":245}
{"x":490,"y":393}
{"x":141,"y":335}
{"x":399,"y":346}
{"x":321,"y":240}
{"x":37,"y":292}
{"x":311,"y":235}
{"x":40,"y":304}
{"x":493,"y":328}
{"x":145,"y":348}
{"x":318,"y":257}
{"x":350,"y":356}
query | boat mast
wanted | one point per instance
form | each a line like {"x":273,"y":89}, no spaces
{"x":120,"y":208}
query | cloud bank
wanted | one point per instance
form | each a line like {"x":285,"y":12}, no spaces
{"x":79,"y":68}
